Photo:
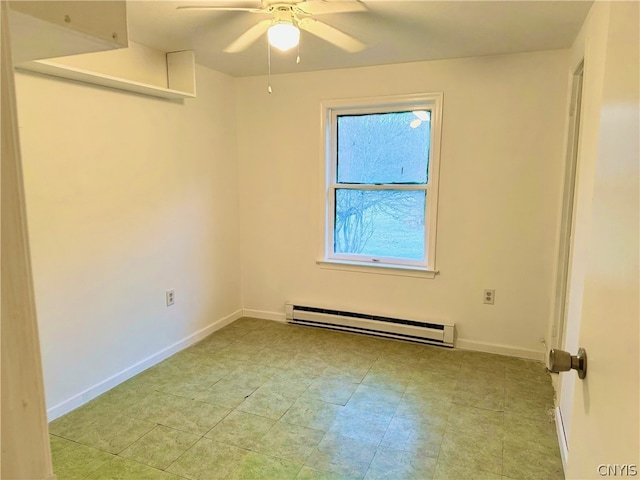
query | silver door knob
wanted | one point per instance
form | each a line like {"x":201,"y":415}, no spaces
{"x":561,"y":361}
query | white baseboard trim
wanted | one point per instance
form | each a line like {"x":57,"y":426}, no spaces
{"x":462,"y":344}
{"x":92,"y":392}
{"x":499,"y":349}
{"x":562,"y":439}
{"x":264,"y":315}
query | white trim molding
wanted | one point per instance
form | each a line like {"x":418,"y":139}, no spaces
{"x":380,"y":269}
{"x":264,"y":315}
{"x":98,"y":389}
{"x":464,"y":344}
{"x":562,"y":438}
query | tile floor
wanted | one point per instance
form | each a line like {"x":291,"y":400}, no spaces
{"x":264,"y":400}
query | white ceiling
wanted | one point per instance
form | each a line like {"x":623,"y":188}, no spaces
{"x":395,"y":32}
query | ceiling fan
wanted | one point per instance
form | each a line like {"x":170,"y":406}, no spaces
{"x":287,"y":18}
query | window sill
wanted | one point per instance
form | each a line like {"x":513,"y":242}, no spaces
{"x":379,"y":269}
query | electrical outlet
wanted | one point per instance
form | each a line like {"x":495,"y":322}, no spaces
{"x":489,"y":297}
{"x":171,"y":297}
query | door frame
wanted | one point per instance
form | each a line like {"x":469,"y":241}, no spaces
{"x":567,"y":222}
{"x":566,"y":242}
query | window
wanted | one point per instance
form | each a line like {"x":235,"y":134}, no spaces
{"x":381,"y":165}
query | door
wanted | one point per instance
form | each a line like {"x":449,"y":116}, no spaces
{"x":603,"y":306}
{"x":24,"y":438}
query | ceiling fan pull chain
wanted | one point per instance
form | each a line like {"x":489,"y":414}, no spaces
{"x":298,"y":57}
{"x":269,"y":62}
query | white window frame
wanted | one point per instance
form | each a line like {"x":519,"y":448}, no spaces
{"x":371,"y":105}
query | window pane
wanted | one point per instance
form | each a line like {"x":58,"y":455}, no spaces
{"x":384,"y":147}
{"x":380,"y":223}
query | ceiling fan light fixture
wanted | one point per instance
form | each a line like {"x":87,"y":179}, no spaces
{"x":283,"y":35}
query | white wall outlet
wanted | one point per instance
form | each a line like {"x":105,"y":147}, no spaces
{"x":489,"y":297}
{"x":171,"y":297}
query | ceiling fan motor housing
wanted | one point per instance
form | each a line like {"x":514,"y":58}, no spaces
{"x":269,"y":4}
{"x":283,"y":14}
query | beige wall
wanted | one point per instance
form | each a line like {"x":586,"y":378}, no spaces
{"x":127,"y":196}
{"x":500,"y":188}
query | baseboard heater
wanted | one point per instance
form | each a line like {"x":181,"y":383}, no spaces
{"x":412,"y":330}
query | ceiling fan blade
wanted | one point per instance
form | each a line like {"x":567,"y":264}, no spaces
{"x":223,"y":9}
{"x":245,"y":40}
{"x":319,"y":7}
{"x":331,"y":35}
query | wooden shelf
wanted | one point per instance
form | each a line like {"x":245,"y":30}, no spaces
{"x":88,"y":42}
{"x":180,"y":68}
